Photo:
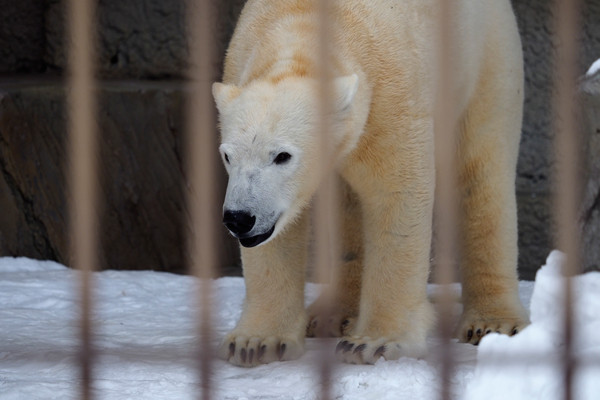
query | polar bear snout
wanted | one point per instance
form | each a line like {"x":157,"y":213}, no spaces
{"x":241,"y":223}
{"x":238,"y":222}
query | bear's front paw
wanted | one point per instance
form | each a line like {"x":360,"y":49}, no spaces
{"x":365,"y":350}
{"x":475,"y":325}
{"x":250,"y":351}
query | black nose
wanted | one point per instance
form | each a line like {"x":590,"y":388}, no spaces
{"x":238,"y":222}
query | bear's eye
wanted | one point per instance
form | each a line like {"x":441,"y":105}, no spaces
{"x":282,"y":158}
{"x":226,"y":158}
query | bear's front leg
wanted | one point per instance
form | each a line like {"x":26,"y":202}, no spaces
{"x":273,"y":322}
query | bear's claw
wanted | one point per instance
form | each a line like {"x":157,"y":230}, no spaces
{"x":474,"y":336}
{"x":473,"y":329}
{"x":250,"y":352}
{"x":364,"y":350}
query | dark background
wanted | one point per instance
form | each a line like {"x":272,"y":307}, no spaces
{"x":142,"y":52}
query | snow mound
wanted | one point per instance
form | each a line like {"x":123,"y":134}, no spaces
{"x":145,"y":332}
{"x":531,"y":364}
{"x":595,"y":67}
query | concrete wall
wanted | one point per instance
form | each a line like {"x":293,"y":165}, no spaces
{"x":142,"y":49}
{"x":534,"y":178}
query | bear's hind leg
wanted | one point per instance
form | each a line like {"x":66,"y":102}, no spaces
{"x":334,"y":314}
{"x":489,"y":255}
{"x":487,"y":167}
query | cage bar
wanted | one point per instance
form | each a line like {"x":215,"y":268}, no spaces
{"x":446,"y":202}
{"x":200,"y":165}
{"x":326,"y":202}
{"x":83,"y":174}
{"x":566,"y":184}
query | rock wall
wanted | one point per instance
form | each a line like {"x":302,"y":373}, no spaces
{"x":536,"y":157}
{"x":590,"y":205}
{"x":142,"y":218}
{"x":142,"y":52}
{"x":141,"y":57}
{"x":22,"y":36}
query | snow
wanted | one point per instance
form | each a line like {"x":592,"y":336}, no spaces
{"x":540,"y":347}
{"x":595,"y":67}
{"x":145,"y":337}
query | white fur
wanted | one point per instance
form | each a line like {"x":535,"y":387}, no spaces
{"x":382,"y":134}
{"x":264,"y":121}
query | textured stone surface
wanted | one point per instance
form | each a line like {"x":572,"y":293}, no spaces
{"x":138,"y":38}
{"x":135,"y":38}
{"x":143,"y":215}
{"x":535,"y":157}
{"x":590,"y":205}
{"x":22,"y":38}
{"x":31,"y":160}
{"x":534,"y":172}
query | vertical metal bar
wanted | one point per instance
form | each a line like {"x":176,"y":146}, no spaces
{"x":325,"y":221}
{"x":446,"y":204}
{"x":82,"y":172}
{"x":201,"y":158}
{"x":567,"y":185}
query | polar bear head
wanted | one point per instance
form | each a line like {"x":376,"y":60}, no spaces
{"x":271,"y":151}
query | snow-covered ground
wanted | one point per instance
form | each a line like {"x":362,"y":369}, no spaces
{"x":145,"y":335}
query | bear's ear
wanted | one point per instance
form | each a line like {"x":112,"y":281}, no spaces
{"x":223,"y":94}
{"x":344,"y":89}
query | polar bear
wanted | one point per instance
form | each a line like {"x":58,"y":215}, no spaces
{"x":383,"y":94}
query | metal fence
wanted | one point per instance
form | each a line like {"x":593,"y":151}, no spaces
{"x":202,"y":154}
